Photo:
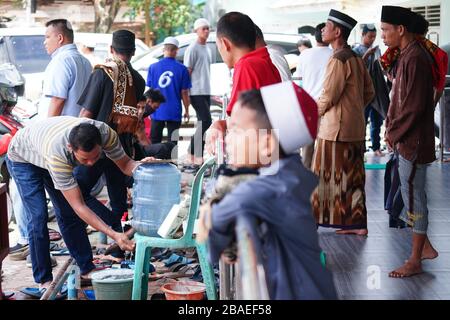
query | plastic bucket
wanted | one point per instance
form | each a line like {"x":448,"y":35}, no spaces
{"x":184,"y":290}
{"x":113,"y":284}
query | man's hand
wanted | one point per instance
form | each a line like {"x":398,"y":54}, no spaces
{"x":186,"y":116}
{"x":388,"y":143}
{"x":124,"y":243}
{"x":145,"y":160}
{"x":215,"y":133}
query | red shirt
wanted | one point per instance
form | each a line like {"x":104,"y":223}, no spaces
{"x":253,"y":71}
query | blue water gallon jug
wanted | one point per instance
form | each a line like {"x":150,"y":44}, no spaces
{"x":156,"y":189}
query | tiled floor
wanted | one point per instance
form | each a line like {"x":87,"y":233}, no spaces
{"x":360,"y":265}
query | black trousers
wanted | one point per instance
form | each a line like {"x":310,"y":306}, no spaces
{"x":201,"y":105}
{"x":172,"y":131}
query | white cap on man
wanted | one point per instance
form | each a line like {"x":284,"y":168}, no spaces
{"x":200,"y":23}
{"x":171,"y":40}
{"x":292,"y":113}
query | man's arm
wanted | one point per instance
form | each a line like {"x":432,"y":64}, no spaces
{"x":127,"y":165}
{"x":84,"y":113}
{"x":56,"y":106}
{"x":413,"y":101}
{"x":75,"y":199}
{"x":333,"y":86}
{"x":186,"y":102}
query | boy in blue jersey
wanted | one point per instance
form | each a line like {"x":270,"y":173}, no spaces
{"x":172,"y":79}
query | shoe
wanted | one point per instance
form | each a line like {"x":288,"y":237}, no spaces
{"x":52,"y":259}
{"x":18,"y":248}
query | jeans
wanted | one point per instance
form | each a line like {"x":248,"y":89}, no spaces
{"x":413,"y":180}
{"x":202,"y":106}
{"x":376,"y":121}
{"x":32,"y":182}
{"x":19,"y":212}
{"x":116,"y":182}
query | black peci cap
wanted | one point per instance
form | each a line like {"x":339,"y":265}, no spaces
{"x":342,"y":19}
{"x":123,"y":40}
{"x":397,"y":15}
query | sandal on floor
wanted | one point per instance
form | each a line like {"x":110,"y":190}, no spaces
{"x":38,"y":293}
{"x":54,"y":235}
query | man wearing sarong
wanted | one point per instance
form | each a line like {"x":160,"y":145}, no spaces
{"x":339,"y":201}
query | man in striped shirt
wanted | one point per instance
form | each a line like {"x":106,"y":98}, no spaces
{"x":42,"y":157}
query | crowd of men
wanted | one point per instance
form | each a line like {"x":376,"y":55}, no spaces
{"x":95,"y":122}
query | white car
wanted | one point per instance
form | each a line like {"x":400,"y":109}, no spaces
{"x":220,"y":74}
{"x":24,"y":47}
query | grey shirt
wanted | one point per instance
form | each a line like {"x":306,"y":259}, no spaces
{"x":198,"y":57}
{"x":44,"y":144}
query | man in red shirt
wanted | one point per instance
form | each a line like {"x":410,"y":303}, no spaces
{"x":253,"y":69}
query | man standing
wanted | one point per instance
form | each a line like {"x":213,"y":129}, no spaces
{"x":41,"y":157}
{"x":339,"y":200}
{"x":198,"y":59}
{"x":111,"y":96}
{"x":410,"y":130}
{"x":67,"y":73}
{"x":311,"y":68}
{"x":253,"y":68}
{"x":172,"y":79}
{"x":370,"y":54}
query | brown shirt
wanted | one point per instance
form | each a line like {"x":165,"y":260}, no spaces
{"x":410,"y":121}
{"x":347,"y":90}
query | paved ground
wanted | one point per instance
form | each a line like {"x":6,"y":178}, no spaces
{"x":360,"y":265}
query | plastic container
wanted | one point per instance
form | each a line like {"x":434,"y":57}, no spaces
{"x":113,"y":284}
{"x":184,"y":290}
{"x":156,"y":189}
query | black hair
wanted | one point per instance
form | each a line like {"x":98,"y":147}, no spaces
{"x":252,"y":100}
{"x":304,"y":42}
{"x":128,"y":53}
{"x":63,"y":26}
{"x":419,"y":25}
{"x":85,"y":136}
{"x":155,"y":95}
{"x":345,"y":32}
{"x":259,"y":33}
{"x":238,"y":28}
{"x":318,"y":33}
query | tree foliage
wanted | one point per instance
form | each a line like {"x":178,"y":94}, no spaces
{"x":167,"y":17}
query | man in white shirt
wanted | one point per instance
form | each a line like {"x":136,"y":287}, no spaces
{"x":311,"y":69}
{"x":276,"y":56}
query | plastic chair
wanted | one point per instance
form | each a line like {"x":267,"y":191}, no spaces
{"x":144,"y":245}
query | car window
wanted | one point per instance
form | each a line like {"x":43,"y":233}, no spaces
{"x":283,"y":47}
{"x":29,"y":53}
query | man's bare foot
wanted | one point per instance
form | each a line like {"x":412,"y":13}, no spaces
{"x":407,"y":270}
{"x":358,"y":232}
{"x":429,"y":253}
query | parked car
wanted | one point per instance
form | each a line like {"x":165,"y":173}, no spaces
{"x":220,"y":74}
{"x":24,"y":47}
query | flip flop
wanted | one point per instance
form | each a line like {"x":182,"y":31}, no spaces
{"x":61,"y":252}
{"x":54,"y":235}
{"x":38,"y":293}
